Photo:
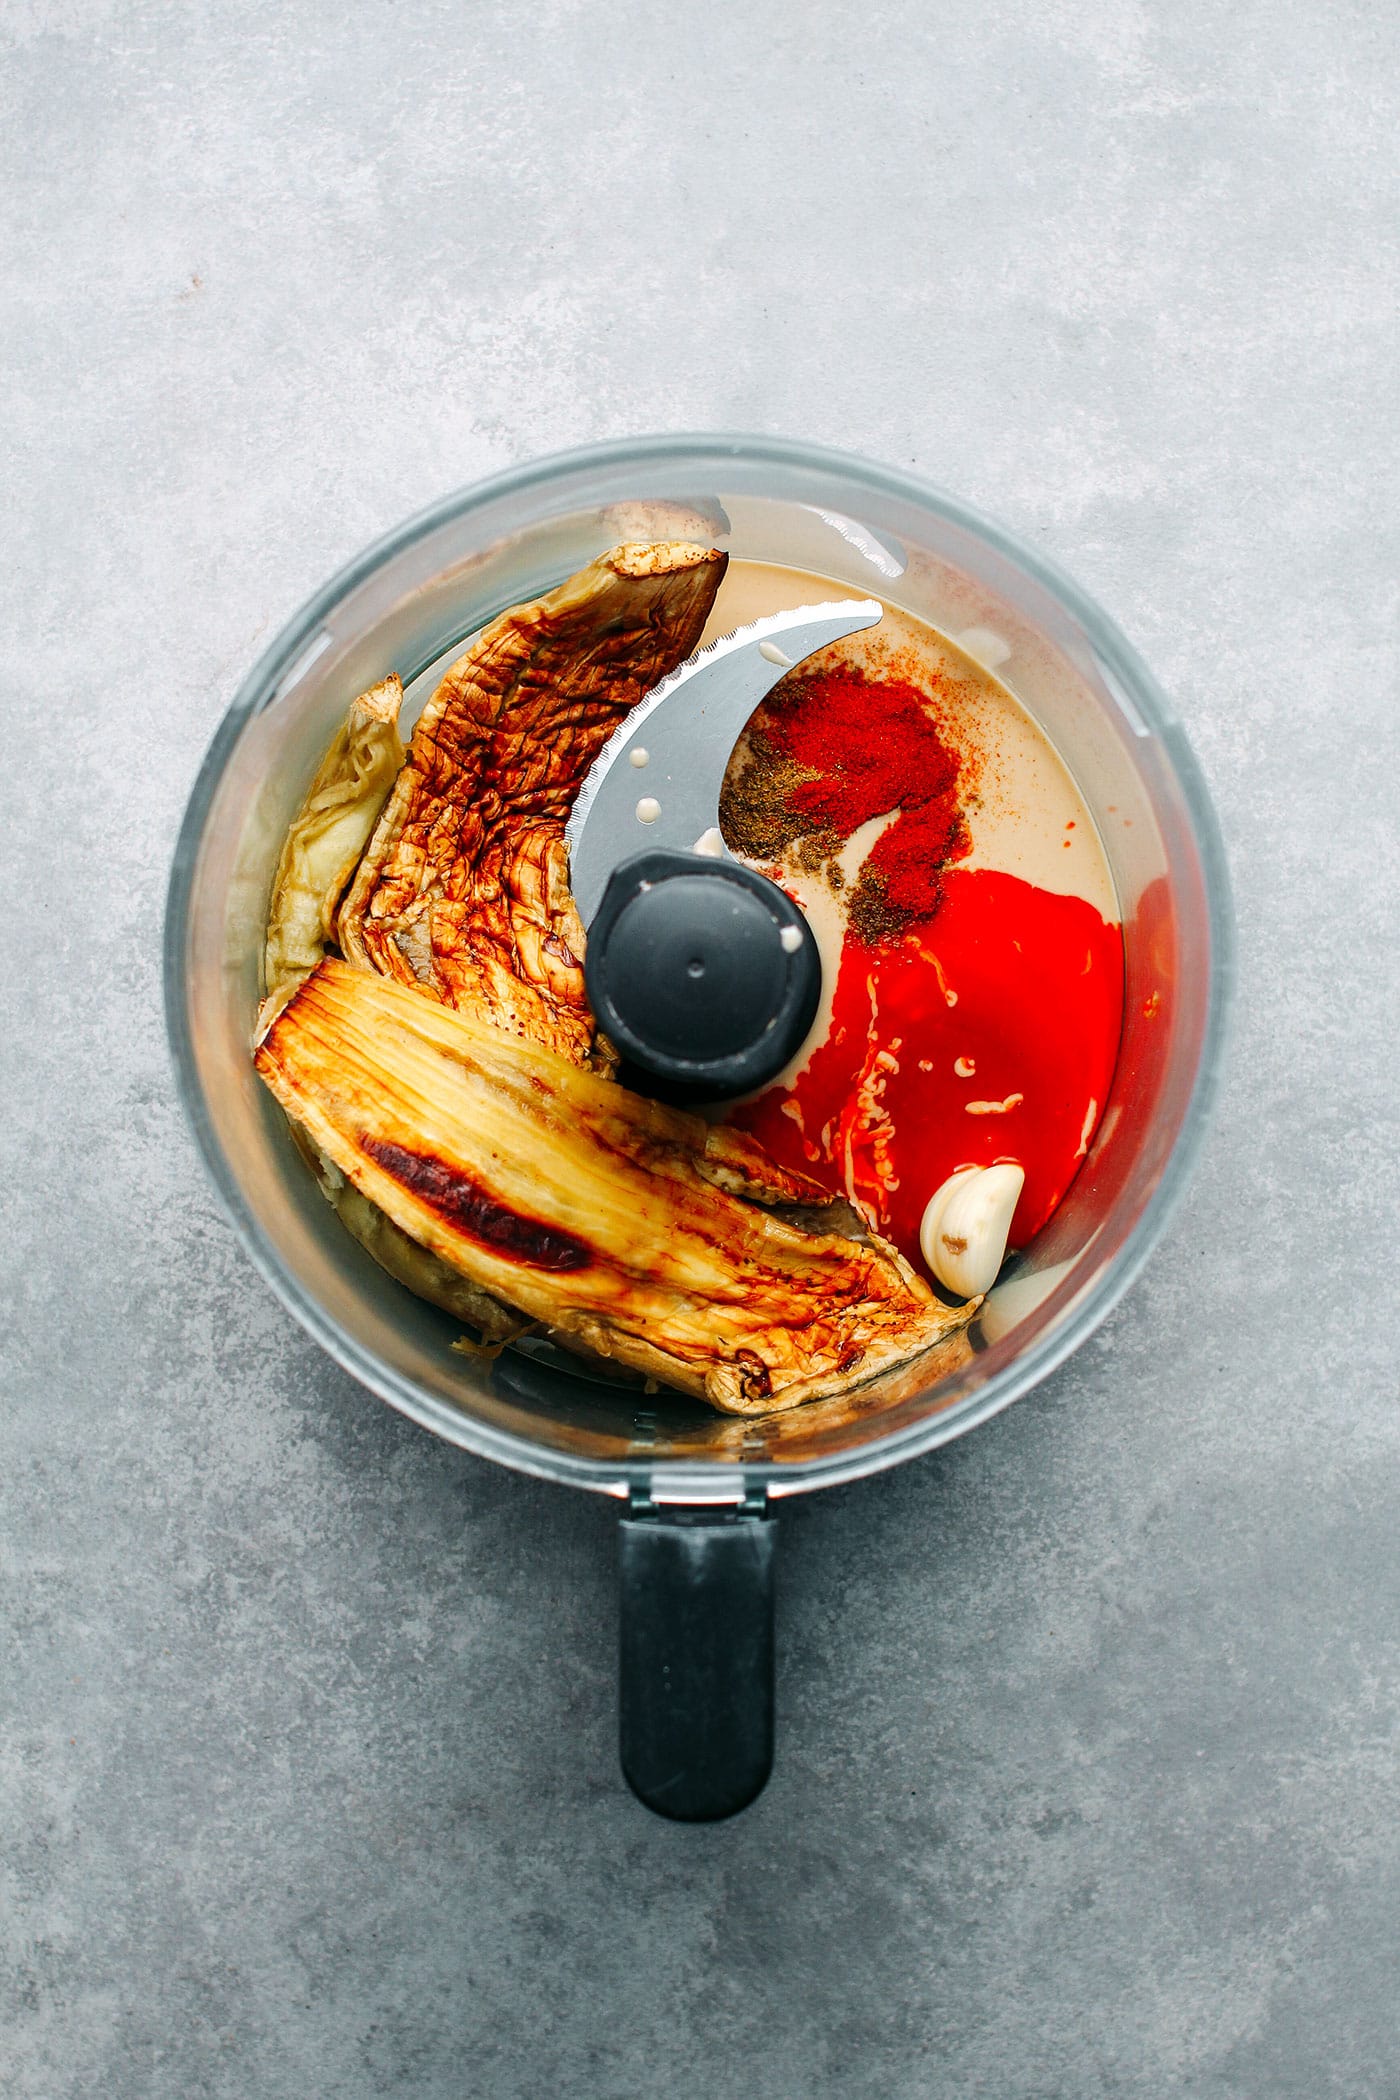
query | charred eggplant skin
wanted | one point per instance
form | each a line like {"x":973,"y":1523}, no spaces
{"x":512,"y":719}
{"x":464,"y":890}
{"x":632,"y":1229}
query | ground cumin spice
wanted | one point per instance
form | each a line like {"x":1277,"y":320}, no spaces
{"x":826,"y":753}
{"x":754,"y":805}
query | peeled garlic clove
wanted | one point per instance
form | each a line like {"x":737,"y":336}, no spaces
{"x":964,"y":1230}
{"x":933,"y":1213}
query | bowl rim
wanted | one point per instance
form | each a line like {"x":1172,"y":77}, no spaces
{"x":698,"y":1479}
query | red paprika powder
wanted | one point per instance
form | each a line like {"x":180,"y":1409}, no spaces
{"x":833,"y":749}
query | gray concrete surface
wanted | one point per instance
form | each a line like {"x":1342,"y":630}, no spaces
{"x":1087,"y":1782}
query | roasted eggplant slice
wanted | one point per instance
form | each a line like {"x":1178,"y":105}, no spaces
{"x":329,"y":834}
{"x":626,"y":1227}
{"x":322,"y":849}
{"x":464,"y":889}
{"x":491,"y":1324}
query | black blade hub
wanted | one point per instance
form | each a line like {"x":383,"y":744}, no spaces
{"x":704,"y":974}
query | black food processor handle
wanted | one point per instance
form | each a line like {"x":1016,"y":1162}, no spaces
{"x":696,"y":1673}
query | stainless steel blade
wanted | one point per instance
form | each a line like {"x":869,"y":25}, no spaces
{"x":656,"y":781}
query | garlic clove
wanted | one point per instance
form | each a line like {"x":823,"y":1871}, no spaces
{"x":965,"y":1227}
{"x":933,"y":1213}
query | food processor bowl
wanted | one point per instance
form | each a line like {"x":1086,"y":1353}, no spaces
{"x":701,"y":1487}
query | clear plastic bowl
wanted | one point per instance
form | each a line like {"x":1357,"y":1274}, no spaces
{"x":407,"y":605}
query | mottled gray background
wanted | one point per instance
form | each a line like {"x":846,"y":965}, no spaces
{"x":1087,"y":1781}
